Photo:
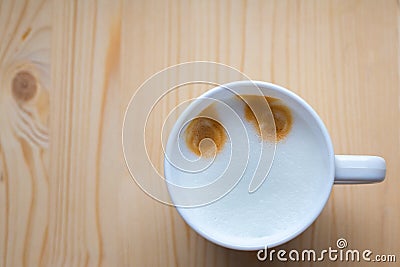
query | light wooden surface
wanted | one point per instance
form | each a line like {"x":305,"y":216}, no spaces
{"x":66,"y":198}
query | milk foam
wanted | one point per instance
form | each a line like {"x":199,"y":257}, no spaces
{"x":281,"y":206}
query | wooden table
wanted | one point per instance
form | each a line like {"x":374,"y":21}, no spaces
{"x":69,"y":68}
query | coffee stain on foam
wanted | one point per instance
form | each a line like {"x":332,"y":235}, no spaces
{"x":262,"y":123}
{"x":205,"y":136}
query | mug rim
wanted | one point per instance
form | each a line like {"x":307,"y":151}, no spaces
{"x":331,"y":169}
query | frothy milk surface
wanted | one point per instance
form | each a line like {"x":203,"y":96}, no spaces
{"x":281,"y":206}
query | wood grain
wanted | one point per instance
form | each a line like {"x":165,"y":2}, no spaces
{"x":66,"y":196}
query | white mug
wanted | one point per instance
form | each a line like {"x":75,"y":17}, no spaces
{"x":342,"y":169}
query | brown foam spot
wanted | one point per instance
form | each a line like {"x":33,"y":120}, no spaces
{"x":283,"y":120}
{"x":282,"y":117}
{"x":24,"y":86}
{"x":271,"y":99}
{"x":204,"y":135}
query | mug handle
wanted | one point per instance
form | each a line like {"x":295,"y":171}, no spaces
{"x":354,"y":169}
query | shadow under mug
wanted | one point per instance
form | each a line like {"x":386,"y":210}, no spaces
{"x":343,"y":169}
